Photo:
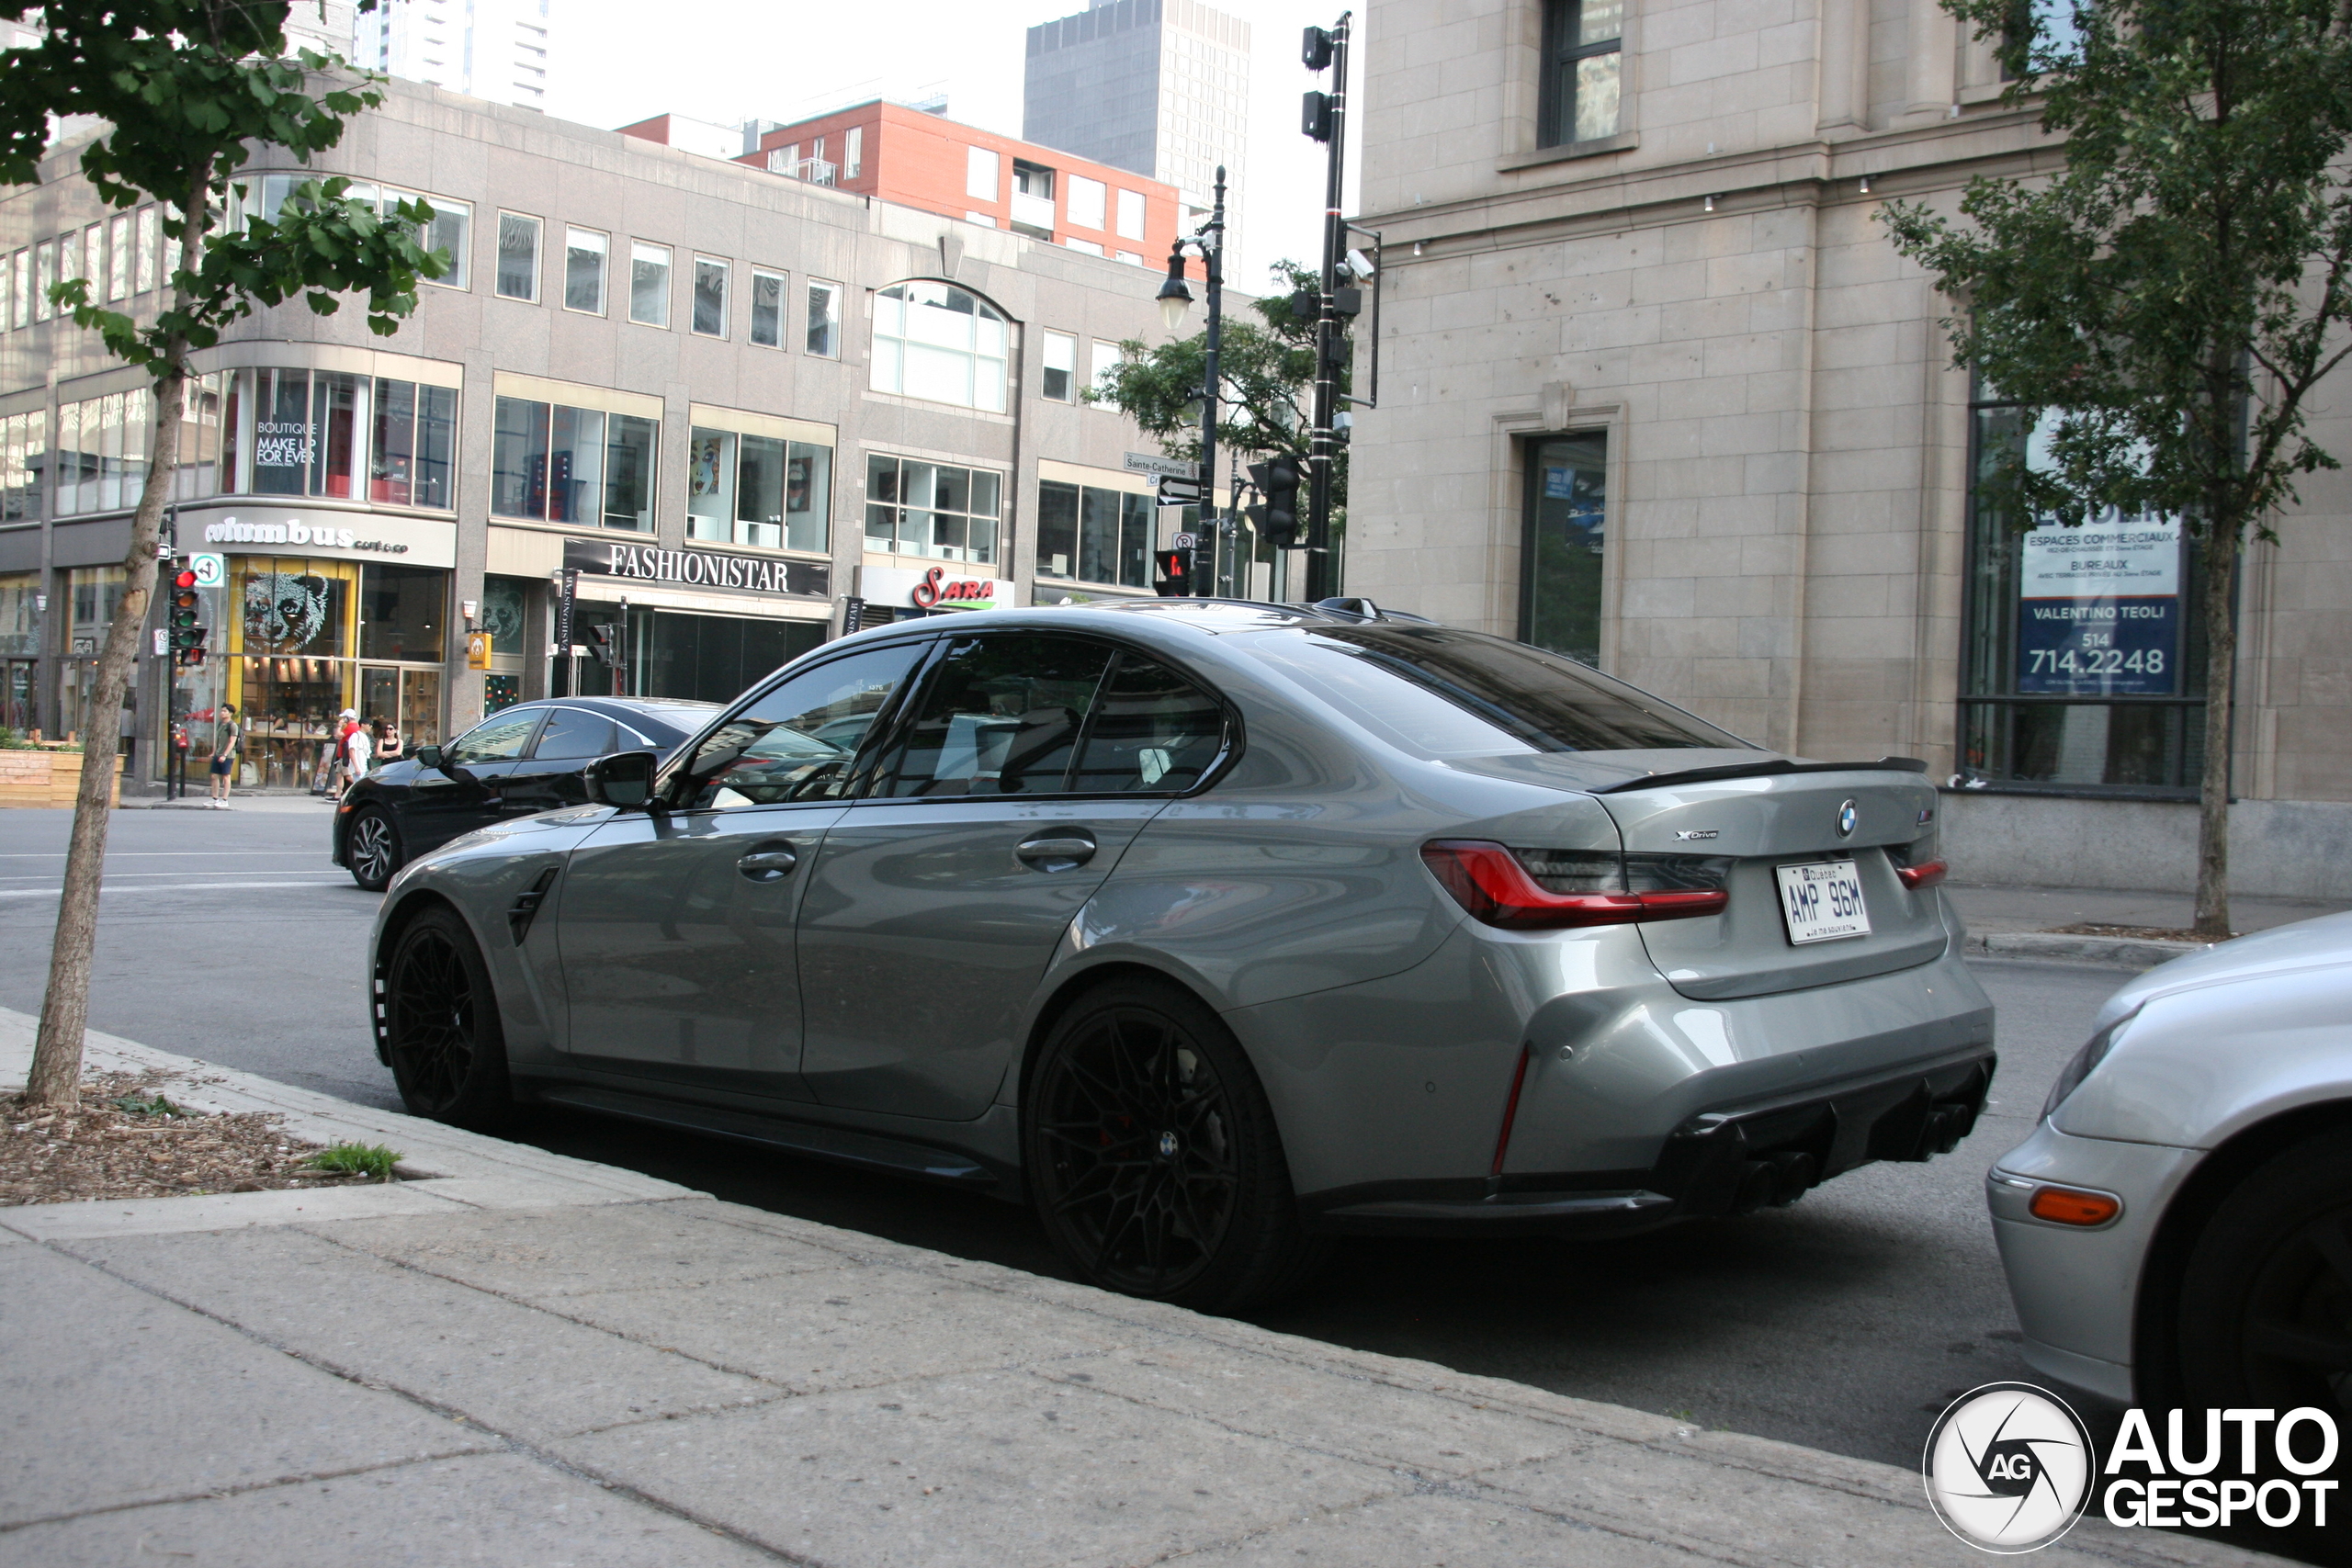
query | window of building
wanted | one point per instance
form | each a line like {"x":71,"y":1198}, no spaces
{"x":450,"y":233}
{"x":24,"y":458}
{"x":20,"y":287}
{"x":44,"y":278}
{"x":1095,"y":534}
{"x":94,"y":260}
{"x":759,"y":490}
{"x":1089,"y":246}
{"x":2083,"y":666}
{"x":1105,"y":367}
{"x":1086,"y":202}
{"x":932,"y":509}
{"x":1567,"y":518}
{"x":518,"y":257}
{"x":450,"y":230}
{"x":710,"y":298}
{"x":983,"y":171}
{"x":1583,"y":52}
{"x":552,"y":463}
{"x":206,"y":442}
{"x":412,"y":454}
{"x":939,"y":342}
{"x":767,"y":308}
{"x":150,"y":239}
{"x":854,"y":153}
{"x":1061,"y":358}
{"x":315,"y":433}
{"x":69,"y":257}
{"x":1131,"y":215}
{"x":649,"y":284}
{"x":984,"y":220}
{"x":101,"y":453}
{"x":1033,"y":199}
{"x":1131,"y":258}
{"x":119,"y":256}
{"x":583,"y":270}
{"x":824,"y":338}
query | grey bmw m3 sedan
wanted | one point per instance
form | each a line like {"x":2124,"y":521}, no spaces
{"x":1214,"y":931}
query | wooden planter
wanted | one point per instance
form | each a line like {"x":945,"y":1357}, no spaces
{"x":46,"y":777}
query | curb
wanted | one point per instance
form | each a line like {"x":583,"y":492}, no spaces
{"x":2106,"y":952}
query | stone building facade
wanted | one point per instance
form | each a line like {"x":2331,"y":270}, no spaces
{"x":735,"y":403}
{"x":1657,"y":391}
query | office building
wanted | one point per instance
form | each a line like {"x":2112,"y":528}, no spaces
{"x":1656,"y":393}
{"x":1160,"y":88}
{"x":496,"y":50}
{"x":737,"y":406}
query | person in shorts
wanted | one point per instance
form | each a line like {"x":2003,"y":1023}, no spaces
{"x":227,"y":740}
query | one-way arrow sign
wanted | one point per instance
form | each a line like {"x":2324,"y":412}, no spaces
{"x":1174,"y":492}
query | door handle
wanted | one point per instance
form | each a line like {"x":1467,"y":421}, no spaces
{"x":768,"y":865}
{"x":1061,"y":852}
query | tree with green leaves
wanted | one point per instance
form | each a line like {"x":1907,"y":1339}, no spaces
{"x":1268,"y":368}
{"x":2169,"y":298}
{"x":187,"y":91}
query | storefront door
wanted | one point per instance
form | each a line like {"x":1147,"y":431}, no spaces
{"x":19,"y":696}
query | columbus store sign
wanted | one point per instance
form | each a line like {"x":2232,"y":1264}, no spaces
{"x":700,"y":568}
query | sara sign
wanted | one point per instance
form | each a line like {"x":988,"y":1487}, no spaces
{"x":700,"y":568}
{"x":933,"y":588}
{"x":2098,"y":609}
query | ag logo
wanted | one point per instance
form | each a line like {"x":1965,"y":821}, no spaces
{"x":2009,"y":1467}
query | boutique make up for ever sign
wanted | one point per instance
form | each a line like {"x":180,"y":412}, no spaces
{"x":2098,"y":609}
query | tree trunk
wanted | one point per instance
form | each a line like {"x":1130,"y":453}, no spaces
{"x":2220,"y":688}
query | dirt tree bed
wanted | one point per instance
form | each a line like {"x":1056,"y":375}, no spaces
{"x":130,"y":1141}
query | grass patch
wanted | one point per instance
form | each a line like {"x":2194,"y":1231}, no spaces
{"x":357,"y":1159}
{"x":136,"y":1104}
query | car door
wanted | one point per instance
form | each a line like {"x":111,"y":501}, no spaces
{"x":675,"y":926}
{"x":937,"y":899}
{"x":464,"y":792}
{"x":549,"y":776}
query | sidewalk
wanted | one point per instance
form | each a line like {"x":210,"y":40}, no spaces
{"x":2015,"y":923}
{"x":529,"y":1360}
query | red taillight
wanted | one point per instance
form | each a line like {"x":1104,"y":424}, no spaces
{"x":1926,"y":873}
{"x":1488,"y":880}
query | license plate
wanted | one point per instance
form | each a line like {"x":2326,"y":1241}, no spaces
{"x":1823,"y":901}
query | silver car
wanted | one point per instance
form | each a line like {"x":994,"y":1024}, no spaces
{"x":1214,"y":931}
{"x":2177,"y":1231}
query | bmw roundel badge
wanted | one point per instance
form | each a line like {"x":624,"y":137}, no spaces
{"x":1846,"y":820}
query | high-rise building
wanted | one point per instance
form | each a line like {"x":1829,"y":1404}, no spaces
{"x":1158,"y":86}
{"x":487,"y":49}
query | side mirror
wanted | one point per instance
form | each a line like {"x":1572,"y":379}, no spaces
{"x":624,"y":779}
{"x":427,"y":757}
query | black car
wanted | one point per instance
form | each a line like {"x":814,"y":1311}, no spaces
{"x":520,"y":759}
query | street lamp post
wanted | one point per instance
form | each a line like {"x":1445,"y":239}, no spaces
{"x":1174,"y":298}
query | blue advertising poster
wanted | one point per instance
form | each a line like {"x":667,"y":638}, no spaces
{"x":2098,"y":609}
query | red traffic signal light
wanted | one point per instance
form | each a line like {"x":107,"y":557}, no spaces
{"x":183,"y":578}
{"x":1170,"y":571}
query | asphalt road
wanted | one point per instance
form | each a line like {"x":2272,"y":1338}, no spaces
{"x":1844,"y":1323}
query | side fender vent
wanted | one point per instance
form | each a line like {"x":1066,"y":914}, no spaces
{"x":525,"y":907}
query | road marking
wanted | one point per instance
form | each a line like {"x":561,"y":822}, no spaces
{"x":157,"y":854}
{"x":169,"y":887}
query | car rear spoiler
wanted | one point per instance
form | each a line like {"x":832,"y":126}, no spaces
{"x":1760,"y":770}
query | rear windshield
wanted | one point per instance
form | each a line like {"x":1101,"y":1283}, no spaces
{"x":1437,"y":691}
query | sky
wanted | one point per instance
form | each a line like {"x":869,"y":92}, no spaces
{"x":614,"y":61}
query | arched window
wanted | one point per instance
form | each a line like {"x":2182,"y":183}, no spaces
{"x":936,"y":341}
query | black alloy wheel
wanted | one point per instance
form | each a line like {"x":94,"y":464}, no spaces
{"x":371,"y":848}
{"x":441,"y":1025}
{"x":1153,"y":1157}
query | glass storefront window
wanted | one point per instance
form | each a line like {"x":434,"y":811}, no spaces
{"x":102,"y":452}
{"x":24,"y":458}
{"x":1095,"y":534}
{"x":402,"y":612}
{"x":552,"y":463}
{"x":414,"y":445}
{"x":932,"y":509}
{"x":1566,"y":528}
{"x":758,"y":490}
{"x":298,"y":432}
{"x":2085,"y":659}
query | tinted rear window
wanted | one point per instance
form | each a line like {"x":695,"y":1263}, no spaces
{"x":1442,"y":693}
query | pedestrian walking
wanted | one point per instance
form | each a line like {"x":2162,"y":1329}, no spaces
{"x":339,"y":765}
{"x":359,"y":750}
{"x":228,"y":740}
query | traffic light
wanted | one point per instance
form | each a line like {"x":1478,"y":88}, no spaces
{"x":1315,"y":112}
{"x":1172,"y":573}
{"x":187,"y":638}
{"x":603,"y":641}
{"x":1277,"y":480}
{"x":1314,"y":49}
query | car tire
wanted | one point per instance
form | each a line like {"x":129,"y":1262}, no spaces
{"x":1152,"y":1157}
{"x":2265,"y":1299}
{"x":442,"y":1035}
{"x":371,"y":848}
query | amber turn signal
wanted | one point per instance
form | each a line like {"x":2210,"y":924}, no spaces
{"x":2071,"y":1206}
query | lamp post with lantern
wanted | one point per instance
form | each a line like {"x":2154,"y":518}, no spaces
{"x":1175,"y":298}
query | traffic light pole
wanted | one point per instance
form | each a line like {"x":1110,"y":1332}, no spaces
{"x":1213,"y":259}
{"x":1323,"y":445}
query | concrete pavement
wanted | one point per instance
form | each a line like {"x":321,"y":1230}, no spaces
{"x":529,"y":1360}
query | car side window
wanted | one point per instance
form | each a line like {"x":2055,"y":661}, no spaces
{"x":498,"y":739}
{"x":1001,"y":717}
{"x":572,"y":732}
{"x":795,"y":741}
{"x":1155,"y":733}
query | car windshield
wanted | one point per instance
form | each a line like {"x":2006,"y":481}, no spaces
{"x":1437,"y":691}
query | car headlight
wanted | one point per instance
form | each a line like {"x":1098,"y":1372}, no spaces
{"x":2083,"y":1063}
